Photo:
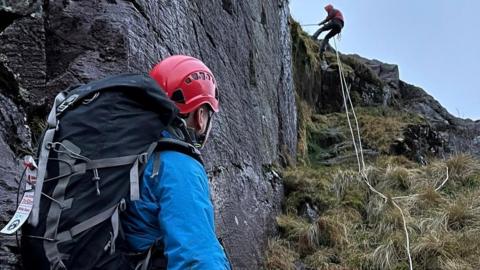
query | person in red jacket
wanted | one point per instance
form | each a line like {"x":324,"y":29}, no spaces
{"x":334,"y":22}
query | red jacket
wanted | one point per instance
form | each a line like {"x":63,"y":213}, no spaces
{"x":333,"y":13}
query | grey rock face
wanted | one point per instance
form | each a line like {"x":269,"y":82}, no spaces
{"x":460,"y":134}
{"x":14,"y":133}
{"x":18,"y":41}
{"x":13,"y":136}
{"x":417,"y":100}
{"x":371,"y":83}
{"x":8,"y":188}
{"x":420,"y":142}
{"x":22,"y":51}
{"x":388,"y":73}
{"x":13,"y":129}
{"x":46,"y":48}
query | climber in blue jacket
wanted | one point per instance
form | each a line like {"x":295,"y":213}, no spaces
{"x":175,"y":214}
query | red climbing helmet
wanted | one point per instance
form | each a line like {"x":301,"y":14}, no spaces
{"x":328,"y":7}
{"x":187,"y":81}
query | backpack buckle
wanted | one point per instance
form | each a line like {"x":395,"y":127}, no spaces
{"x":66,"y":103}
{"x":143,"y":158}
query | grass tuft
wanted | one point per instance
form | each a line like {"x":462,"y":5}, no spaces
{"x":357,"y":229}
{"x":280,"y":256}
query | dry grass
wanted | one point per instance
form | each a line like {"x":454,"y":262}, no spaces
{"x":304,"y":114}
{"x":401,"y":177}
{"x":291,"y":227}
{"x":401,"y":161}
{"x":380,"y":127}
{"x":463,"y":213}
{"x":325,"y":259}
{"x":357,"y":229}
{"x":428,"y":199}
{"x":308,"y":186}
{"x":455,"y":264}
{"x":280,"y":256}
{"x":464,"y":170}
{"x":431,"y":248}
{"x":308,"y":237}
{"x":384,"y":256}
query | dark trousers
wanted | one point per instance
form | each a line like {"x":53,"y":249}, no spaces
{"x":335,"y":26}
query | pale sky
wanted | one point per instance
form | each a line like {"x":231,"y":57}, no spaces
{"x":435,"y":43}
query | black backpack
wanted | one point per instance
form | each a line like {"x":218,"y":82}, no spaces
{"x":90,"y":162}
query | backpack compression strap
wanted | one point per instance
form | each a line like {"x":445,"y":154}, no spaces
{"x":43,"y":156}
{"x":70,"y":153}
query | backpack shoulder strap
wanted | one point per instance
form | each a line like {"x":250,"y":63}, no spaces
{"x":179,"y":146}
{"x":165,"y":144}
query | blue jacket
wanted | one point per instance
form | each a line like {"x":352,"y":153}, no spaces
{"x":175,"y":208}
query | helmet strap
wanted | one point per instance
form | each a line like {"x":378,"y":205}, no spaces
{"x":190,"y":135}
{"x":201,"y":139}
{"x":194,"y":138}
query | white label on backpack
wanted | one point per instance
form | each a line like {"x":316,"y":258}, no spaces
{"x":26,"y":205}
{"x":21,"y":215}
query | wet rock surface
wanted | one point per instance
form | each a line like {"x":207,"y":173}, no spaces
{"x":46,"y":46}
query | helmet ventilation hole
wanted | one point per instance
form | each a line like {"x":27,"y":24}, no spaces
{"x":178,"y":97}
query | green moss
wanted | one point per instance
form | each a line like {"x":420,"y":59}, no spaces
{"x":304,"y":185}
{"x":355,"y":198}
{"x":303,"y":47}
{"x":324,"y":136}
{"x":291,"y":226}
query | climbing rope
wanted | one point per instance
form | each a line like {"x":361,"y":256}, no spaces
{"x":359,"y":154}
{"x":359,"y":148}
{"x":360,"y":158}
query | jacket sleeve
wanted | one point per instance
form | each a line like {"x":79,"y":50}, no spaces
{"x":186,"y":215}
{"x":330,"y":15}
